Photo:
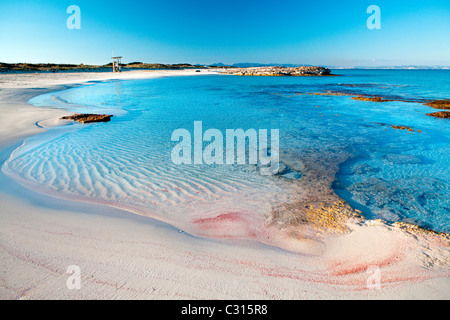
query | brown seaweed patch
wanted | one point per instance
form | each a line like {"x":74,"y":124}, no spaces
{"x":320,"y":216}
{"x":372,"y":98}
{"x":412,"y":228}
{"x":314,"y":207}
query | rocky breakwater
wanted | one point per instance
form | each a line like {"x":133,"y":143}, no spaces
{"x":279,"y":71}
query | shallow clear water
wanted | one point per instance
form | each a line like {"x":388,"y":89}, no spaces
{"x":392,"y":174}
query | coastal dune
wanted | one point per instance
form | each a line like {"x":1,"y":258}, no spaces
{"x":122,"y":255}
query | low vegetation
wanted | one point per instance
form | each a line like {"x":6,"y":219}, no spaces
{"x":53,"y":67}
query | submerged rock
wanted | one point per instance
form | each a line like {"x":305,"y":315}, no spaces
{"x":88,"y":117}
{"x":364,"y":169}
{"x":403,"y":159}
{"x":416,"y":223}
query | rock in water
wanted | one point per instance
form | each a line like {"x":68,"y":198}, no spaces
{"x":279,"y":71}
{"x":439,"y":104}
{"x":440,"y":114}
{"x":88,"y":117}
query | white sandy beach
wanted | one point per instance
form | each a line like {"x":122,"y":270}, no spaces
{"x":125,"y":256}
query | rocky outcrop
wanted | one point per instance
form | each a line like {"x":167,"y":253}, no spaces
{"x":443,"y":104}
{"x":314,"y":208}
{"x":398,"y":127}
{"x":439,"y":104}
{"x":88,"y":117}
{"x":440,"y":114}
{"x":371,"y":98}
{"x":401,"y":127}
{"x":279,"y":71}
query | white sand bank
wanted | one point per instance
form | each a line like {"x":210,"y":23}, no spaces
{"x":18,"y":119}
{"x":123,"y":256}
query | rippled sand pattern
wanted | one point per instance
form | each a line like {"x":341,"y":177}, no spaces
{"x":331,"y":142}
{"x":124,"y":174}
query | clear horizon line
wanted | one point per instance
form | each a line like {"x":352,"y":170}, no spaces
{"x":416,"y":66}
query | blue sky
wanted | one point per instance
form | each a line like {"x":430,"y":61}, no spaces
{"x":331,"y":33}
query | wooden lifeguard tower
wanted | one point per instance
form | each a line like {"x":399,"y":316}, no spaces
{"x":116,"y":63}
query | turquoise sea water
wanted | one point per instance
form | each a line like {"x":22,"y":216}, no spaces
{"x":391,"y":174}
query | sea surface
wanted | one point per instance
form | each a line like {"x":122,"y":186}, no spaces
{"x":395,"y":175}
